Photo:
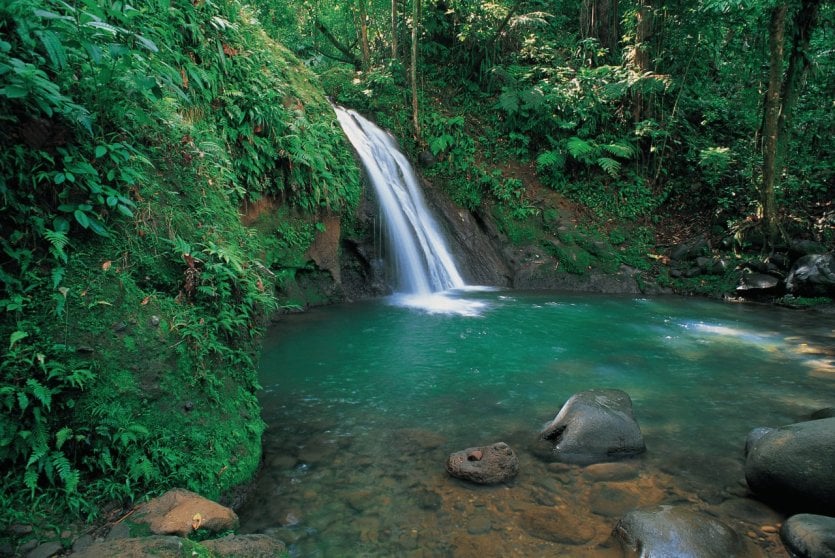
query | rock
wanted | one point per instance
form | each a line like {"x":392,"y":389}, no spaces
{"x":805,"y":247}
{"x":484,"y":465}
{"x":479,"y":524}
{"x":812,"y":275}
{"x":595,"y":426}
{"x":557,"y":525}
{"x":179,"y":512}
{"x":809,"y":536}
{"x":677,"y":531}
{"x":251,"y":546}
{"x":690,"y":249}
{"x":794,"y":466}
{"x":827,"y":412}
{"x":157,"y":546}
{"x":757,"y":282}
{"x":46,"y":550}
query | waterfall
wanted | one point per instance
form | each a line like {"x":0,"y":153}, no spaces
{"x":422,"y":260}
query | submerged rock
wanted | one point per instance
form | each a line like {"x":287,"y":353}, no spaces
{"x":794,"y":465}
{"x":677,"y":531}
{"x":595,"y":426}
{"x":484,"y":465}
{"x":809,"y":536}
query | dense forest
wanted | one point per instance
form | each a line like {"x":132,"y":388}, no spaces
{"x":141,"y":143}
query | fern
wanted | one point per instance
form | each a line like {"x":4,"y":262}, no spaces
{"x":548,"y":159}
{"x":619,"y":149}
{"x":58,"y":241}
{"x":62,"y":436}
{"x":579,"y":148}
{"x":41,"y":392}
{"x":66,"y":473}
{"x":509,"y":102}
{"x":611,"y":166}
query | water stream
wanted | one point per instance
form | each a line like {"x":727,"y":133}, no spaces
{"x":423,"y":269}
{"x":364,"y":402}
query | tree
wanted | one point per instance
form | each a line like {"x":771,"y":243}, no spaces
{"x":781,"y":98}
{"x":413,"y":69}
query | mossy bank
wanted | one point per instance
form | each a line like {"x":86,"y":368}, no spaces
{"x":137,"y":147}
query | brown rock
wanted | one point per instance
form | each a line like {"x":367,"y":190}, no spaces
{"x":485,"y":465}
{"x":179,"y":512}
{"x":556,"y":525}
{"x":251,"y":546}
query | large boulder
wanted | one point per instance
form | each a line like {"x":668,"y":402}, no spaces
{"x":812,"y":275}
{"x":595,"y":426}
{"x":484,"y":465}
{"x":794,"y":465}
{"x":179,"y":512}
{"x":681,"y":532}
{"x":809,"y":536}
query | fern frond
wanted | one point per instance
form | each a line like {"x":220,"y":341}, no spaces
{"x":611,"y":166}
{"x":58,"y":240}
{"x":619,"y":149}
{"x":62,"y":436}
{"x":579,"y":148}
{"x":41,"y":392}
{"x":548,"y":159}
{"x":509,"y":102}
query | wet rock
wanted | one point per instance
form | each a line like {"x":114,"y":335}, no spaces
{"x":428,"y":500}
{"x":612,"y":501}
{"x":680,"y":532}
{"x":251,"y":546}
{"x":479,"y":524}
{"x":46,"y":550}
{"x":180,"y":512}
{"x":556,"y":525}
{"x":611,"y":471}
{"x":750,"y":510}
{"x":761,"y":282}
{"x":358,"y":499}
{"x":828,"y":412}
{"x":809,"y":536}
{"x":595,"y":426}
{"x":812,"y":275}
{"x":792,"y":466}
{"x":158,"y":546}
{"x":484,"y":465}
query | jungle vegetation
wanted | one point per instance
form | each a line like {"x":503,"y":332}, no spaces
{"x":134,"y":135}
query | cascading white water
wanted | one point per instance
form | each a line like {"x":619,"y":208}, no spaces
{"x":423,"y":262}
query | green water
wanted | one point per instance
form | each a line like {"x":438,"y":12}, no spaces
{"x":365,"y":401}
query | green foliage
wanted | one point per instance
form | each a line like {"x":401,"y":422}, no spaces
{"x":132,"y":296}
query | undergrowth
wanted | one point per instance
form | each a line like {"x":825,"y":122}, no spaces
{"x":133,"y":298}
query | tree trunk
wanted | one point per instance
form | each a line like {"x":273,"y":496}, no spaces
{"x":771,"y":119}
{"x":394,"y":29}
{"x":363,"y":34}
{"x":803,"y":25}
{"x":350,"y":57}
{"x":413,"y":69}
{"x":599,"y":20}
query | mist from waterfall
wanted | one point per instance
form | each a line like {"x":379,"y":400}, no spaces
{"x":424,"y":267}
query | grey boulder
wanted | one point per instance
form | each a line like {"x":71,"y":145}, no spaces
{"x":809,"y":536}
{"x":794,"y":466}
{"x":595,"y":426}
{"x":666,"y":531}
